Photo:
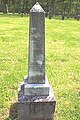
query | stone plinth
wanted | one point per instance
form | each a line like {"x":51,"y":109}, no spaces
{"x":36,"y":89}
{"x":36,"y":107}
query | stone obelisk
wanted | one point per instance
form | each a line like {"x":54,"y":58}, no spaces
{"x":36,"y":73}
{"x":37,"y":83}
{"x":36,"y":99}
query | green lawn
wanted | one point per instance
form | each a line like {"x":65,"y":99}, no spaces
{"x":62,"y":63}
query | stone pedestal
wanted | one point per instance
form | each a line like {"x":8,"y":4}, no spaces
{"x":35,"y":107}
{"x":36,"y":89}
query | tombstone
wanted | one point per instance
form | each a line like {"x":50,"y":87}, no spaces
{"x":36,"y":100}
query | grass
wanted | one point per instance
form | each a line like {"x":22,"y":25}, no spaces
{"x":62,"y":63}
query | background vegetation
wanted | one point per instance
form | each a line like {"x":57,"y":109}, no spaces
{"x":69,"y":8}
{"x":62,"y":64}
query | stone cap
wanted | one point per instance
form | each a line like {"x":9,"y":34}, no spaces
{"x":37,"y":8}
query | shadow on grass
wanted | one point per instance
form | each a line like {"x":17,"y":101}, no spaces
{"x":13,"y":113}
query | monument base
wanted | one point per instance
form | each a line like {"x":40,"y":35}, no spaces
{"x":36,"y":89}
{"x":35,"y":107}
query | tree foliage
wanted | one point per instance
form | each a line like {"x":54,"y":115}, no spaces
{"x":61,"y":7}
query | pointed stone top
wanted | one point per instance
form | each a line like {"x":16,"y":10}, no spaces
{"x":37,"y":8}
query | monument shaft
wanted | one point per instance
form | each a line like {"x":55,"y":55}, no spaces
{"x":36,"y":68}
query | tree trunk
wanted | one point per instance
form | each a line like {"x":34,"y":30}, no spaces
{"x":52,"y":8}
{"x":70,"y":4}
{"x":63,"y":9}
{"x":47,"y":9}
{"x":25,"y":6}
{"x":5,"y":6}
{"x":13,"y":3}
{"x":76,"y":7}
{"x":19,"y":7}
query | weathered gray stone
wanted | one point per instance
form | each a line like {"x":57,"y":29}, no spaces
{"x":36,"y":110}
{"x":36,"y":73}
{"x":35,"y":83}
{"x":36,"y":89}
{"x":36,"y":100}
{"x":36,"y":107}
